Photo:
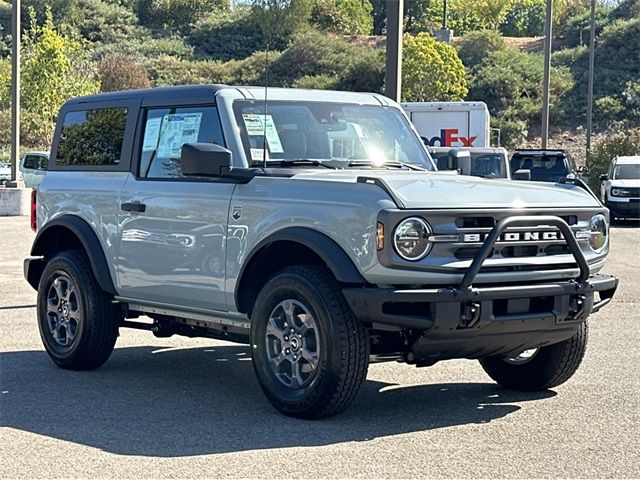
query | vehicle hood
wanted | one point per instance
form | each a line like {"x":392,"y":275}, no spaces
{"x":445,"y":190}
{"x":631,"y":182}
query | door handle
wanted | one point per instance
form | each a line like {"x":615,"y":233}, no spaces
{"x":133,"y":207}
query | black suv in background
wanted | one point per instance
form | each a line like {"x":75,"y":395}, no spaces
{"x":545,"y":165}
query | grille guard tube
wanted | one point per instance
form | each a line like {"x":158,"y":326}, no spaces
{"x":526,"y":221}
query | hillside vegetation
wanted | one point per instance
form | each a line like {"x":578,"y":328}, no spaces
{"x":73,"y":47}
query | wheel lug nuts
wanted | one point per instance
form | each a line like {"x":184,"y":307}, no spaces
{"x":287,"y":351}
{"x":286,"y":339}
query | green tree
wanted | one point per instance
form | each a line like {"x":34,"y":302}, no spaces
{"x":524,"y":18}
{"x":431,"y":70}
{"x":280,"y":20}
{"x":55,"y":68}
{"x":349,"y":17}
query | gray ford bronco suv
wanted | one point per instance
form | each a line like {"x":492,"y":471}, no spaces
{"x":314,"y":228}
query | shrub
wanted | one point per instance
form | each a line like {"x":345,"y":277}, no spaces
{"x":176,"y":15}
{"x":165,"y":70}
{"x":510,"y":82}
{"x":349,"y":17}
{"x":431,"y":70}
{"x":475,"y":46}
{"x":227,"y":35}
{"x":314,"y":53}
{"x":120,"y":72}
{"x":323,"y":82}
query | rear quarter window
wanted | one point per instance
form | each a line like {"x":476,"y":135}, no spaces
{"x":92,"y":137}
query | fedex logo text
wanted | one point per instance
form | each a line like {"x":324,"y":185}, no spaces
{"x":447,"y":138}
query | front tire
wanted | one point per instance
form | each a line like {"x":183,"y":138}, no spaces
{"x":78,"y":322}
{"x":310,"y":353}
{"x":547,"y":368}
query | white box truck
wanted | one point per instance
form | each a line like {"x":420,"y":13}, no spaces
{"x":451,"y":124}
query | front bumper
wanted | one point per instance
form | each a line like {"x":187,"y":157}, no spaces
{"x":630,"y":209}
{"x":464,"y":321}
{"x":452,"y":308}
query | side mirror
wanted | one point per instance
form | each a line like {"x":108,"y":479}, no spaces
{"x":205,"y":160}
{"x":461,"y":161}
{"x":524,"y":174}
{"x":604,"y":177}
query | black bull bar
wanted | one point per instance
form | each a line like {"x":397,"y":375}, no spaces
{"x":462,"y":304}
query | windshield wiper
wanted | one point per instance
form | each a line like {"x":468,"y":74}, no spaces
{"x":305,"y":161}
{"x":390,"y":163}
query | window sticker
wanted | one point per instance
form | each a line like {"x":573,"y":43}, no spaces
{"x":257,"y":154}
{"x":255,"y":125}
{"x":176,"y":130}
{"x":151,"y":134}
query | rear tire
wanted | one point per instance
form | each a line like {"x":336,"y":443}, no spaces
{"x":77,"y":320}
{"x":310,"y":353}
{"x":548,"y":368}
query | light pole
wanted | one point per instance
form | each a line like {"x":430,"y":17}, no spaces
{"x":592,"y":44}
{"x":547,"y":71}
{"x":15,"y":91}
{"x":393,"y":73}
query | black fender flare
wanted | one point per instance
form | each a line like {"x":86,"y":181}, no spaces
{"x":332,"y":254}
{"x":49,"y":241}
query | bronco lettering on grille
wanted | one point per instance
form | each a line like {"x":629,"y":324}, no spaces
{"x":514,"y":237}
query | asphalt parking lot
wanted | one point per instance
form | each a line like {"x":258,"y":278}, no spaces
{"x":178,"y":407}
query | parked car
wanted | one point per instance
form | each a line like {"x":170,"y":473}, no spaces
{"x":33,"y":166}
{"x":486,"y":162}
{"x":5,"y":173}
{"x":620,"y":187}
{"x":318,"y":233}
{"x":545,"y":165}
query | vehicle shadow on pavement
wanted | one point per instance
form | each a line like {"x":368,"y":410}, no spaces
{"x":179,"y":402}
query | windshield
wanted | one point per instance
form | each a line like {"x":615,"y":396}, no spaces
{"x":488,"y":165}
{"x":542,"y":168}
{"x":482,"y":164}
{"x":626,"y":172}
{"x":339,"y":133}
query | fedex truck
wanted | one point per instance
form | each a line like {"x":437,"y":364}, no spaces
{"x":450,"y":124}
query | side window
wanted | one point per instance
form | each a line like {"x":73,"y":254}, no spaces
{"x":92,"y":137}
{"x":31,"y":162}
{"x":167,"y":129}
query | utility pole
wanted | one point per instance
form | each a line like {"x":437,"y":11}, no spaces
{"x":15,"y":91}
{"x":393,"y":73}
{"x":592,"y":49}
{"x":547,"y":73}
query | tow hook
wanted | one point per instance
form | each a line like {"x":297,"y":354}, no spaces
{"x":470,"y":314}
{"x":577,"y":307}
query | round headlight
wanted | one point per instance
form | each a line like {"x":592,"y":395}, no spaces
{"x":599,"y":233}
{"x":411,"y":238}
{"x":615,"y":192}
